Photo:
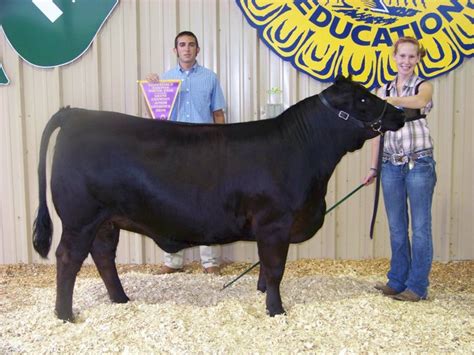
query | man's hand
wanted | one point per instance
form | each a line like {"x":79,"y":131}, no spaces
{"x":152,"y":78}
{"x":218,"y":116}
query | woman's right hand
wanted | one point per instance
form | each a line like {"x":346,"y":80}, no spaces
{"x":152,"y":78}
{"x":370,"y":178}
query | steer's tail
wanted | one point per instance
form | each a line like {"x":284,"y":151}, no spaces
{"x":43,"y":226}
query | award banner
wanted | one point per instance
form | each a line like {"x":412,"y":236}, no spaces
{"x":160,"y":97}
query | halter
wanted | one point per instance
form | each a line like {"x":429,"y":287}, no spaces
{"x":375,"y":125}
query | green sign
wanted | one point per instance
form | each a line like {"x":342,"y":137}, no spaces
{"x":3,"y":76}
{"x":48,"y":33}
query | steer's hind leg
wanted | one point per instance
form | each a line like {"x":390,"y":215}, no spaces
{"x":273,"y":251}
{"x":103,"y":252}
{"x":70,"y":254}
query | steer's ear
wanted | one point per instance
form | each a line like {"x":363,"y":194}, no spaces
{"x":341,"y":77}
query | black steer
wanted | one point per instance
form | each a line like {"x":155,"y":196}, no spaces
{"x":184,"y":185}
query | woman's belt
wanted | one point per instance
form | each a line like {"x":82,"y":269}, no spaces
{"x":402,"y":158}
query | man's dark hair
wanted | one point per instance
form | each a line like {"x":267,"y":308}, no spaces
{"x":185,"y":33}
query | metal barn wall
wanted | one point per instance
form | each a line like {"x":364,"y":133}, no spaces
{"x":138,"y":39}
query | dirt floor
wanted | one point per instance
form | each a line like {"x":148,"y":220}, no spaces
{"x":331,"y":307}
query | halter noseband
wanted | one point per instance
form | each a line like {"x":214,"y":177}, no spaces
{"x":375,"y":125}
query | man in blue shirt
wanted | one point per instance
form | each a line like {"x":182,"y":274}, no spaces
{"x":200,"y":100}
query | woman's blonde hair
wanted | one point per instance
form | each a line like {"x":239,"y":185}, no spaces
{"x":421,"y":50}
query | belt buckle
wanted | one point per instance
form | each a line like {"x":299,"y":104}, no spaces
{"x":397,"y":159}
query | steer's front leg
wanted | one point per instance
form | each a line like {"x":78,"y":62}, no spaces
{"x":261,"y":283}
{"x":273,"y":251}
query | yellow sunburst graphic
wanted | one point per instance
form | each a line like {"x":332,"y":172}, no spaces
{"x":326,"y":38}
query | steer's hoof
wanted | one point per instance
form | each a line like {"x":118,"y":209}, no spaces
{"x":64,"y":316}
{"x":120,"y":299}
{"x":273,"y":313}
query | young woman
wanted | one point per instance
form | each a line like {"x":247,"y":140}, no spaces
{"x":408,"y":177}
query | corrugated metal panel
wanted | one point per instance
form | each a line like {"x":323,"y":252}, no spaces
{"x":138,"y":39}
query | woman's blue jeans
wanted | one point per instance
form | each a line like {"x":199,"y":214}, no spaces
{"x":411,"y":263}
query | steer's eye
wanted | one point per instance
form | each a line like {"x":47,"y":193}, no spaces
{"x":362,"y":100}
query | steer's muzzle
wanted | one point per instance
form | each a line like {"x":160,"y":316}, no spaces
{"x":393,"y":120}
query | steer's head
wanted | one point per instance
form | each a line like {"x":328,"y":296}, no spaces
{"x":364,"y":106}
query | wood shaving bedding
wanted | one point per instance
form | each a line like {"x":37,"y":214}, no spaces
{"x":331,"y":307}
